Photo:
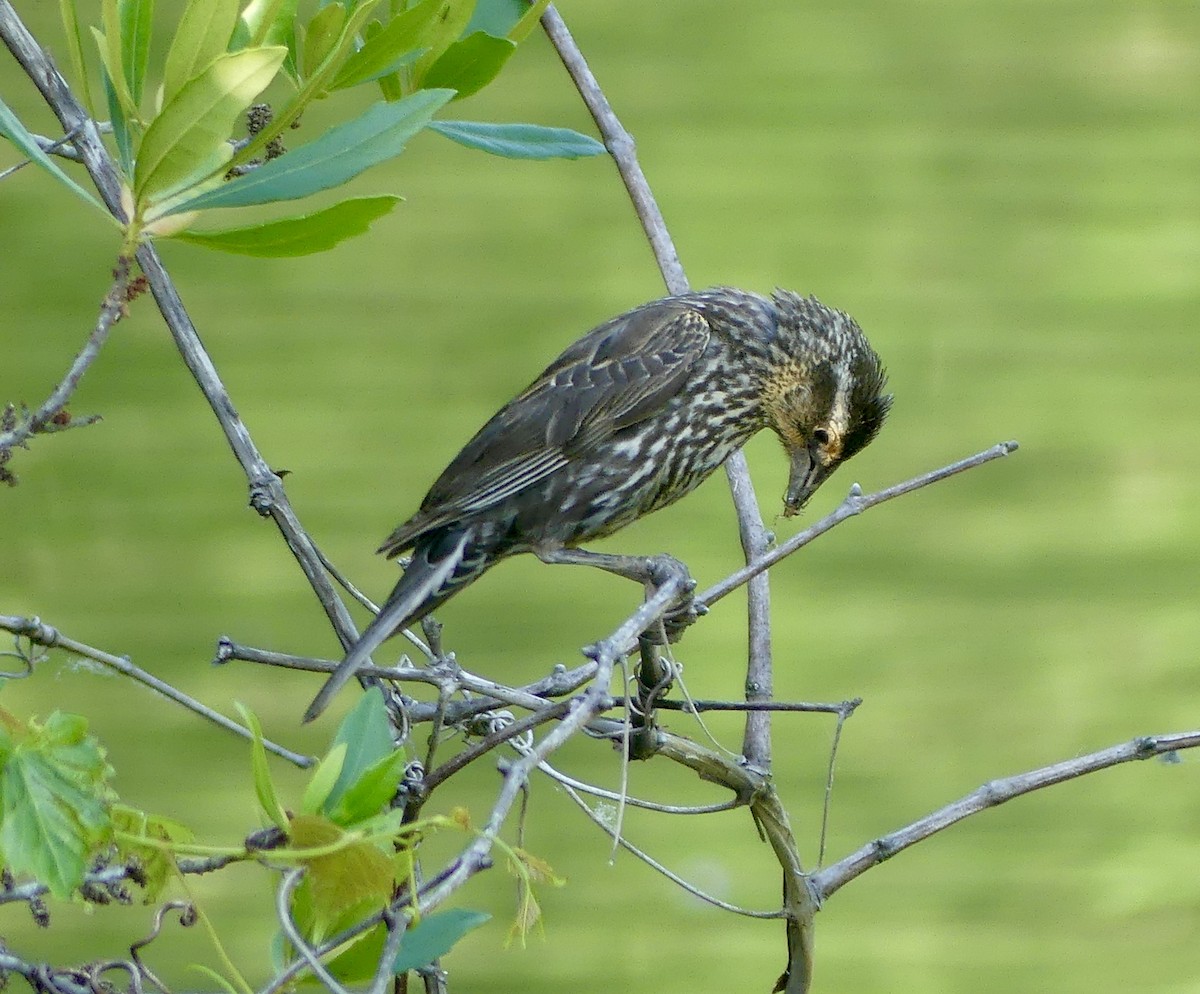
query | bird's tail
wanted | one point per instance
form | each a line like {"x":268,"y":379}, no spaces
{"x":440,"y":567}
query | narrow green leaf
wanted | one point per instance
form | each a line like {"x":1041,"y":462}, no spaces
{"x":402,"y":35}
{"x":323,"y":779}
{"x":264,"y":786}
{"x":214,"y":978}
{"x":321,"y":36}
{"x":111,"y":60}
{"x":203,"y":34}
{"x":120,"y":125}
{"x":188,"y":141}
{"x":470,"y":64}
{"x":304,"y":235}
{"x":367,"y":735}
{"x":135,"y":17}
{"x":435,"y":936}
{"x":12,"y":129}
{"x":335,"y":158}
{"x":519,"y":141}
{"x":70,"y":19}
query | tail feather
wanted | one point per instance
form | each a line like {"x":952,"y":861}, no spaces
{"x":424,"y":585}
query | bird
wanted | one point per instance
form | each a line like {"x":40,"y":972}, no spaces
{"x":630,"y":418}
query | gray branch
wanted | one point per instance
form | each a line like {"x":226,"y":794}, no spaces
{"x":112,"y":309}
{"x":993,"y":793}
{"x":50,"y":637}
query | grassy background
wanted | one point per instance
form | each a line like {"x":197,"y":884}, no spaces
{"x":1004,"y":194}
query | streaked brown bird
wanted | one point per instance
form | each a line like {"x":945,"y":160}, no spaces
{"x":627,"y":420}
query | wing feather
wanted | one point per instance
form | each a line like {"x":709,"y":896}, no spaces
{"x":617,"y":375}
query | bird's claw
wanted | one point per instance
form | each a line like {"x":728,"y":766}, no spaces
{"x":684,"y":611}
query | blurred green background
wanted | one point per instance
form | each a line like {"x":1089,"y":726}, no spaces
{"x":1006,"y":195}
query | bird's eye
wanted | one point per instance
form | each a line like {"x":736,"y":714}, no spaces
{"x":821,"y":436}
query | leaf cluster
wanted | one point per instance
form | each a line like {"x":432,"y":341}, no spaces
{"x":357,"y":849}
{"x":175,"y":142}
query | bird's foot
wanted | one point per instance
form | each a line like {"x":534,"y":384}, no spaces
{"x":684,"y":611}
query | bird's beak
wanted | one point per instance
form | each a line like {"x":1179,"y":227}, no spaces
{"x":808,"y":473}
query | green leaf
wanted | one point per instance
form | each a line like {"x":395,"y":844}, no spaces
{"x":264,"y":786}
{"x":323,"y":779}
{"x":321,"y":36}
{"x":110,"y":59}
{"x":135,"y":17}
{"x":496,"y":17}
{"x":203,"y":34}
{"x":214,"y":978}
{"x":264,"y":22}
{"x":470,"y":64}
{"x":367,"y":735}
{"x":452,"y":18}
{"x":529,"y":20}
{"x":335,"y":158}
{"x":383,"y":50}
{"x":519,"y":141}
{"x":370,"y":792}
{"x":304,"y":235}
{"x":188,"y":141}
{"x":12,"y":129}
{"x":158,"y":867}
{"x":120,"y":125}
{"x":358,"y":875}
{"x":70,"y":19}
{"x":55,"y":803}
{"x":435,"y":936}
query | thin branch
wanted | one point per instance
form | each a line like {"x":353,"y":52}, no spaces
{"x":490,"y":742}
{"x":283,"y":911}
{"x":532,"y":696}
{"x":658,"y":867}
{"x":112,"y":309}
{"x":827,"y":801}
{"x":636,"y":802}
{"x":855,"y":503}
{"x":696,"y":707}
{"x":620,"y":145}
{"x":995,"y":792}
{"x":583,"y":710}
{"x":396,"y":925}
{"x":50,"y":637}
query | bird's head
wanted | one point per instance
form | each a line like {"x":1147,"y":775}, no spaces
{"x":824,"y":395}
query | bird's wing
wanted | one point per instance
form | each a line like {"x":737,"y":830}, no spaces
{"x":615,"y":376}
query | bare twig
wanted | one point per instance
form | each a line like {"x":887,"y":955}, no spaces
{"x":855,"y":503}
{"x":46,"y":635}
{"x":283,"y":911}
{"x":831,"y":879}
{"x":396,"y":925}
{"x":112,"y":309}
{"x":655,"y":865}
{"x":583,"y":709}
{"x":636,"y":802}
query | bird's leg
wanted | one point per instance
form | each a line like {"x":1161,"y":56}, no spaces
{"x":652,"y":571}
